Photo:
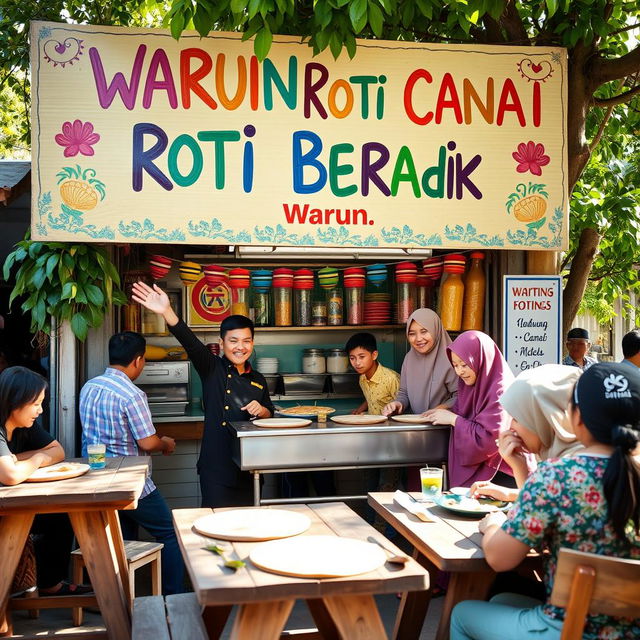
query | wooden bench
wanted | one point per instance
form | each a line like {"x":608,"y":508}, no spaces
{"x":178,"y":617}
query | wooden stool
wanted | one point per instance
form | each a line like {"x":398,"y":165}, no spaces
{"x":138,"y":554}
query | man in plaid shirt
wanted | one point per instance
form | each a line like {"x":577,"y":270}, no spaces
{"x":115,"y":412}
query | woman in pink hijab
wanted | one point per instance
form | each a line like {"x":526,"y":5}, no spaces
{"x":476,"y":416}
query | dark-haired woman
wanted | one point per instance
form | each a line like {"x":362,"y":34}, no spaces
{"x":24,"y":447}
{"x":589,"y":501}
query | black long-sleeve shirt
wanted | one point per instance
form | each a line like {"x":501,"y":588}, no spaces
{"x":224,"y":391}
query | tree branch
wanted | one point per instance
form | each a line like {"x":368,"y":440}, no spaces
{"x":627,"y":28}
{"x":512,"y":23}
{"x":615,"y":100}
{"x":604,"y":70}
{"x":596,"y":139}
{"x":493,"y":30}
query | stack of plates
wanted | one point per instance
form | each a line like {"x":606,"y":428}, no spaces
{"x":377,"y":308}
{"x":267,"y":365}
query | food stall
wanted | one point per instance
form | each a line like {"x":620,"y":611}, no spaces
{"x":320,"y":197}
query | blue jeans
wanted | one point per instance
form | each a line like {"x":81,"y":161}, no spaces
{"x":507,"y":616}
{"x":153,"y":515}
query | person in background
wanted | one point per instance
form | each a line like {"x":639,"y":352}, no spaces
{"x":24,"y":447}
{"x":578,"y":346}
{"x":233,"y":392}
{"x":538,"y":402}
{"x":631,"y":348}
{"x":589,"y":502}
{"x":114,"y":412}
{"x":476,"y":415}
{"x":378,"y":383}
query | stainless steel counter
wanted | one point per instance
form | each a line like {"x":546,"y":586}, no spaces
{"x":332,"y":446}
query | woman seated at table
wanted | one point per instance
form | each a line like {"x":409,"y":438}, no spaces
{"x":589,"y":501}
{"x":24,"y":447}
{"x":476,"y":416}
{"x":539,"y":402}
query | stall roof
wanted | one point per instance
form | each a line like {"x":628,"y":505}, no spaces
{"x":15,"y":179}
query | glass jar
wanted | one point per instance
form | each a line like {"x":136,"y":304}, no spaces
{"x":262,"y":307}
{"x":405,"y":301}
{"x":337,"y":361}
{"x":474,"y":289}
{"x":313,"y":361}
{"x":355,"y":304}
{"x":319,"y":313}
{"x":282,"y":306}
{"x":335,"y":304}
{"x":302,"y":307}
{"x":240,"y":302}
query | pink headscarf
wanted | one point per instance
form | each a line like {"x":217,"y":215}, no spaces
{"x":473,"y":452}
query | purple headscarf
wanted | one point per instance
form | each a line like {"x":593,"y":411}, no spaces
{"x":473,"y":452}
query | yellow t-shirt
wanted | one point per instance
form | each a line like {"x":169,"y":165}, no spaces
{"x":381,"y":389}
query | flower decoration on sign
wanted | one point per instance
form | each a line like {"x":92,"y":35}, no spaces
{"x":530,"y":157}
{"x":63,"y":53}
{"x":535,"y":71}
{"x":77,"y":137}
{"x":528,"y":203}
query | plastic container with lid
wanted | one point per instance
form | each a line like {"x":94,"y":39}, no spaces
{"x":313,"y":361}
{"x":319,"y":313}
{"x":452,"y":292}
{"x":302,"y":287}
{"x":474,"y":289}
{"x":337,"y":361}
{"x":282,"y":296}
{"x":406,"y":275}
{"x":261,"y":282}
{"x":354,"y":283}
{"x":239,"y":283}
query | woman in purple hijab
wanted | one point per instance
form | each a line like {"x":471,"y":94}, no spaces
{"x":476,"y":416}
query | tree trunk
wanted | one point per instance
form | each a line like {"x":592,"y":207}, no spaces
{"x":578,"y":275}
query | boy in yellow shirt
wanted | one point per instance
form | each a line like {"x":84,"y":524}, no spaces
{"x":378,"y":383}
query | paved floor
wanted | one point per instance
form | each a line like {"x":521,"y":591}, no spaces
{"x":52,"y":622}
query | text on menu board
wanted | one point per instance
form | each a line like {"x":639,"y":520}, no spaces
{"x":532,"y":321}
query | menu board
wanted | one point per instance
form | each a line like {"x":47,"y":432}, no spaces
{"x":532,"y":321}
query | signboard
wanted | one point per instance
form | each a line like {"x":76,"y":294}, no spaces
{"x":207,"y":306}
{"x":532,"y":322}
{"x":138,"y":137}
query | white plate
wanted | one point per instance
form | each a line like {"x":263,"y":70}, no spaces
{"x":460,"y":491}
{"x":411,"y":418}
{"x":359,"y":419}
{"x":275,"y":423}
{"x":252,"y":525}
{"x":469,"y":506}
{"x":60,"y":471}
{"x":318,"y":556}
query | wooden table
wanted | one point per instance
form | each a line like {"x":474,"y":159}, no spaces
{"x":341,"y":607}
{"x":91,"y":501}
{"x":451,"y":543}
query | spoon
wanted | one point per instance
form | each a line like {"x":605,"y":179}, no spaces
{"x":391,"y":556}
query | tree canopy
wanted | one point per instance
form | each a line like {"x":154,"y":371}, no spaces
{"x":603,"y":89}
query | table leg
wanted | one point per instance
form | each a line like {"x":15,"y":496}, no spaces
{"x":356,"y":617}
{"x":117,"y":544}
{"x":256,"y":488}
{"x":414,"y":605}
{"x":94,"y":536}
{"x":261,"y":620}
{"x":215,"y":618}
{"x":322,"y":618}
{"x":14,"y":530}
{"x":463,"y":586}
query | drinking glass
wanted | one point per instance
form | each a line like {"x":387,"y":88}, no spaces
{"x":431,"y":482}
{"x":97,"y":456}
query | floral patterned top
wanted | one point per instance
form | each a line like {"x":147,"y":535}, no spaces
{"x":562,"y":504}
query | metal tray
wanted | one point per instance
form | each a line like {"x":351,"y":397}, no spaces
{"x":303,"y":383}
{"x":345,"y":382}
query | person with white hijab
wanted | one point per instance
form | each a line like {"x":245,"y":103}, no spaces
{"x":538,"y":401}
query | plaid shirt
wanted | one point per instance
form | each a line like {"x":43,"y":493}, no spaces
{"x":115,"y":412}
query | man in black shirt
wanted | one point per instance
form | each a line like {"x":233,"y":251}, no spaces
{"x":232,"y":391}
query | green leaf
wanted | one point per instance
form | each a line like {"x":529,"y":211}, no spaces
{"x":79,"y":326}
{"x":376,"y":19}
{"x":94,"y":295}
{"x":237,"y":6}
{"x":262,"y":43}
{"x":335,"y":44}
{"x":202,"y":21}
{"x":552,"y":7}
{"x":254,"y":5}
{"x":177,"y":25}
{"x":358,"y":11}
{"x":350,"y":44}
{"x":39,"y":277}
{"x":52,"y":262}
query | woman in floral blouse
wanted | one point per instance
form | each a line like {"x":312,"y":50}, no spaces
{"x":589,"y":502}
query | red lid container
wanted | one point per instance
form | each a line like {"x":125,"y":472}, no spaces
{"x":406,"y":272}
